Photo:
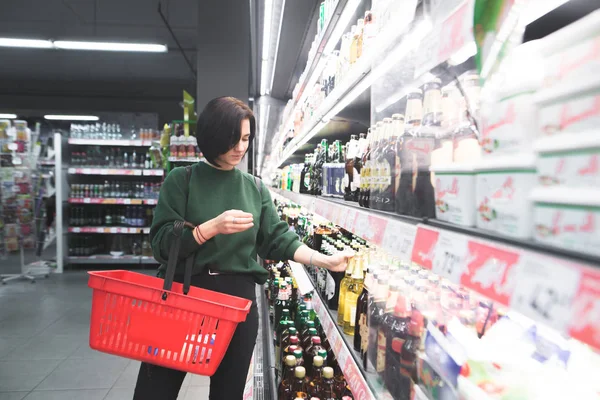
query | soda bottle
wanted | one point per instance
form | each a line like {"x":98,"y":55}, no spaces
{"x":294,"y":344}
{"x":376,"y":312}
{"x":299,"y":385}
{"x":408,"y":356}
{"x":317,"y":375}
{"x":396,"y":334}
{"x":287,"y":333}
{"x":311,"y":352}
{"x":327,"y":387}
{"x":305,"y":331}
{"x":298,"y":319}
{"x":361,"y":330}
{"x":283,"y":325}
{"x":299,"y":357}
{"x":288,"y":371}
{"x":285,"y":389}
{"x":307,"y":341}
{"x":282,"y":303}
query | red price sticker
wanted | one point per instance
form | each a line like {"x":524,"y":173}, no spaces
{"x":545,"y":291}
{"x":491,"y":271}
{"x":356,"y":381}
{"x":585,"y":319}
{"x":424,"y":246}
{"x":451,"y":256}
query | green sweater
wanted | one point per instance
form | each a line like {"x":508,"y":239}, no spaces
{"x":211,"y":192}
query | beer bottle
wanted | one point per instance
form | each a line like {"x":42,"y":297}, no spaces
{"x":343,"y":288}
{"x":361,"y":332}
{"x":376,"y":312}
{"x":354,"y":290}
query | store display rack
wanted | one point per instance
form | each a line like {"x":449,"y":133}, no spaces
{"x":109,"y":142}
{"x":120,"y":201}
{"x":108,"y":259}
{"x":116,"y":171}
{"x":511,"y":275}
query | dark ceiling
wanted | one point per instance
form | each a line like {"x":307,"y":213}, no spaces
{"x":80,"y":81}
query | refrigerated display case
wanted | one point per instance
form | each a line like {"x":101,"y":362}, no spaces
{"x":476,"y":171}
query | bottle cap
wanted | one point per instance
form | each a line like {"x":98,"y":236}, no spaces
{"x":322,"y":353}
{"x":310,"y":324}
{"x":292,"y":330}
{"x":313,"y":332}
{"x":294,"y":339}
{"x":297,"y":353}
{"x":328,"y":372}
{"x":285,"y":311}
{"x":300,"y":372}
{"x":290,"y":361}
{"x":318,"y":361}
{"x":316,"y":340}
{"x":402,"y":308}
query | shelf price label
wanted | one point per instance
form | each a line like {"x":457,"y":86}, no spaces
{"x":545,"y":291}
{"x":491,"y":271}
{"x":356,"y":381}
{"x":87,"y":200}
{"x":399,"y":239}
{"x":585,"y":318}
{"x":450,"y":256}
{"x":424,"y":246}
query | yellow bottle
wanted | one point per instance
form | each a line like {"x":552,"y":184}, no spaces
{"x":343,"y":288}
{"x":354,"y":290}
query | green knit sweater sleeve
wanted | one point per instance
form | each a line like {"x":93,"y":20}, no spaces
{"x":171,"y":207}
{"x":275,"y":240}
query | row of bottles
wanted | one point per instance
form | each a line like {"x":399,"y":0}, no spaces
{"x":137,"y":216}
{"x":116,"y":245}
{"x":305,"y":364}
{"x":117,"y":190}
{"x":112,"y":157}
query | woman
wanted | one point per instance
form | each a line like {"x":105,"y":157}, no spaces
{"x":234,"y":220}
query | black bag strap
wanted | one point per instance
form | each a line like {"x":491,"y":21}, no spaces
{"x":258,"y":183}
{"x":174,"y":252}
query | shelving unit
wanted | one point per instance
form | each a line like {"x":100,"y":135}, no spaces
{"x":510,"y":274}
{"x":82,"y":174}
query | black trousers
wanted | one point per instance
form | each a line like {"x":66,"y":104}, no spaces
{"x":159,"y":383}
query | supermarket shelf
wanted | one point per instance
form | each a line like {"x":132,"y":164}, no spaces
{"x":116,"y":171}
{"x":511,"y":272}
{"x":313,"y":63}
{"x":47,"y":163}
{"x":363,"y":384}
{"x":110,"y":142}
{"x":107,"y":229}
{"x":186,"y":159}
{"x":93,"y":200}
{"x":108,"y":259}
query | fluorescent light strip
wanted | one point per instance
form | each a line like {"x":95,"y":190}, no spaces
{"x":267,"y":22}
{"x":8,"y":116}
{"x":80,"y":45}
{"x":26,"y":43}
{"x":110,"y":46}
{"x":340,"y":26}
{"x":277,"y":46}
{"x":71,"y":117}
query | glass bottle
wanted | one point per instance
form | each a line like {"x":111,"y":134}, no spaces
{"x":361,"y":332}
{"x":354,"y":290}
{"x":356,"y":183}
{"x":376,"y":312}
{"x":351,"y":155}
{"x":377,"y":168}
{"x":366,"y":169}
{"x":390,"y":162}
{"x":386,"y":319}
{"x":396,"y":334}
{"x":343,"y":288}
{"x":408,"y":355}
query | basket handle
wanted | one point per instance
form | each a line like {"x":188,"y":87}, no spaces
{"x":172,"y":263}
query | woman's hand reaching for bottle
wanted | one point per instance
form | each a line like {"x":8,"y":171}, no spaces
{"x":336,"y":263}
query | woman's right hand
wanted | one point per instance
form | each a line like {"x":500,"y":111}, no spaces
{"x":233,"y":221}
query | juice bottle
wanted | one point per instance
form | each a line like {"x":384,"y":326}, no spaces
{"x":299,"y":386}
{"x":327,"y":388}
{"x":307,"y":341}
{"x":288,"y":372}
{"x":316,"y":377}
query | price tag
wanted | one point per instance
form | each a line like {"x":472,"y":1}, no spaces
{"x":451,"y":256}
{"x":71,"y":171}
{"x":585,"y":319}
{"x":545,"y":291}
{"x":399,"y":238}
{"x":87,"y":200}
{"x":302,"y":280}
{"x":76,"y":230}
{"x":86,"y":171}
{"x":126,"y":201}
{"x":113,"y":230}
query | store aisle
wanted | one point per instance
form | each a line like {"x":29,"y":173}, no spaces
{"x":44,"y":351}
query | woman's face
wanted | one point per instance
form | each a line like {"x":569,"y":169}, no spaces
{"x":235,"y":155}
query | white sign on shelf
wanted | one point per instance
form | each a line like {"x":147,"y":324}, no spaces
{"x":302,"y":279}
{"x":451,"y":256}
{"x":545,"y":290}
{"x":399,"y":238}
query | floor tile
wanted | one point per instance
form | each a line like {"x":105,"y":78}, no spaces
{"x":120,"y":394}
{"x":199,"y":380}
{"x":98,"y":394}
{"x":13,"y":395}
{"x":24,"y":375}
{"x":128,"y":378}
{"x":87,"y":373}
{"x":196,"y":393}
{"x":44,"y":347}
{"x":9,"y":343}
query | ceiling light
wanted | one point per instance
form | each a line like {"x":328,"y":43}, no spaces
{"x":266,"y":45}
{"x":71,"y":117}
{"x":111,"y":46}
{"x":8,"y":116}
{"x":29,"y":43}
{"x":277,"y":46}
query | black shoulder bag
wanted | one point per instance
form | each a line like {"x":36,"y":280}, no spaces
{"x":174,"y":251}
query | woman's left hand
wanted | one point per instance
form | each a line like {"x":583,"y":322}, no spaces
{"x":337,"y":262}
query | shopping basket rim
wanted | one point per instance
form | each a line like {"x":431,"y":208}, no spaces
{"x":101,"y":274}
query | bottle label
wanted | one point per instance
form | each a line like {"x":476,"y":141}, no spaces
{"x":307,"y":180}
{"x":364,"y":332}
{"x":397,"y":344}
{"x":381,"y":342}
{"x":350,"y":307}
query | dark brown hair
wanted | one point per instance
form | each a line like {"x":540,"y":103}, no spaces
{"x":219,"y":126}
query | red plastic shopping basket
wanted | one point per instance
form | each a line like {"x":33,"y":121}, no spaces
{"x":186,"y":332}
